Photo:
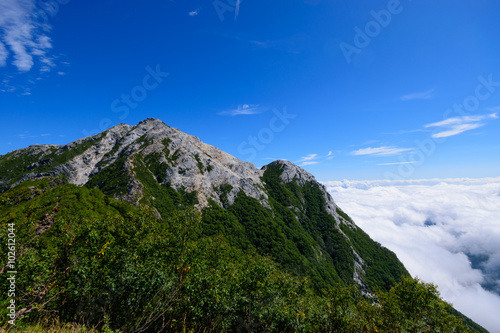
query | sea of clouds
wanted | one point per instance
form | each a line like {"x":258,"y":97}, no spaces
{"x":445,"y":231}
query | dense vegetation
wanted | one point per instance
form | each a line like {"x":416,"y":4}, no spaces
{"x":247,"y":223}
{"x":107,"y":264}
{"x":306,"y":204}
{"x":112,"y":180}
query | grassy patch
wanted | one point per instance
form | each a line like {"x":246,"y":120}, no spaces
{"x":145,"y":141}
{"x":166,"y":143}
{"x":166,"y":199}
{"x":113,"y":179}
{"x":159,"y":169}
{"x":199,"y":163}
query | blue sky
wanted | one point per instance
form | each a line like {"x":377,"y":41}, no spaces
{"x":372,"y":90}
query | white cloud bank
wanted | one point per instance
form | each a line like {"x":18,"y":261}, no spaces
{"x":22,"y":37}
{"x":436,"y":228}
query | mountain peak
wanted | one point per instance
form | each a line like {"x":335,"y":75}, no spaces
{"x":147,"y":121}
{"x":291,"y":172}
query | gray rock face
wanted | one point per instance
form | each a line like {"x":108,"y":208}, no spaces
{"x":291,"y":172}
{"x":82,"y":166}
{"x":197,"y":166}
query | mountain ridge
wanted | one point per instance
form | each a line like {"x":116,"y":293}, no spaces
{"x":122,"y":138}
{"x":104,"y":152}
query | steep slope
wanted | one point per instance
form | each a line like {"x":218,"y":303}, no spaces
{"x":353,"y":253}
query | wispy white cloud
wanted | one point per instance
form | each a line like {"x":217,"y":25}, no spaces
{"x":6,"y":86}
{"x":194,"y":12}
{"x":260,"y":43}
{"x":457,"y":125}
{"x":462,"y":120}
{"x":26,"y":135}
{"x":308,"y":160}
{"x":380,"y":151}
{"x":22,"y":37}
{"x":311,"y":159}
{"x":308,"y":157}
{"x":237,"y":10}
{"x":438,"y":228}
{"x":309,"y":163}
{"x":245,"y":109}
{"x":418,"y":95}
{"x":457,"y":129}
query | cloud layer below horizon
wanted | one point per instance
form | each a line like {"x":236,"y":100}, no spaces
{"x":445,"y":231}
